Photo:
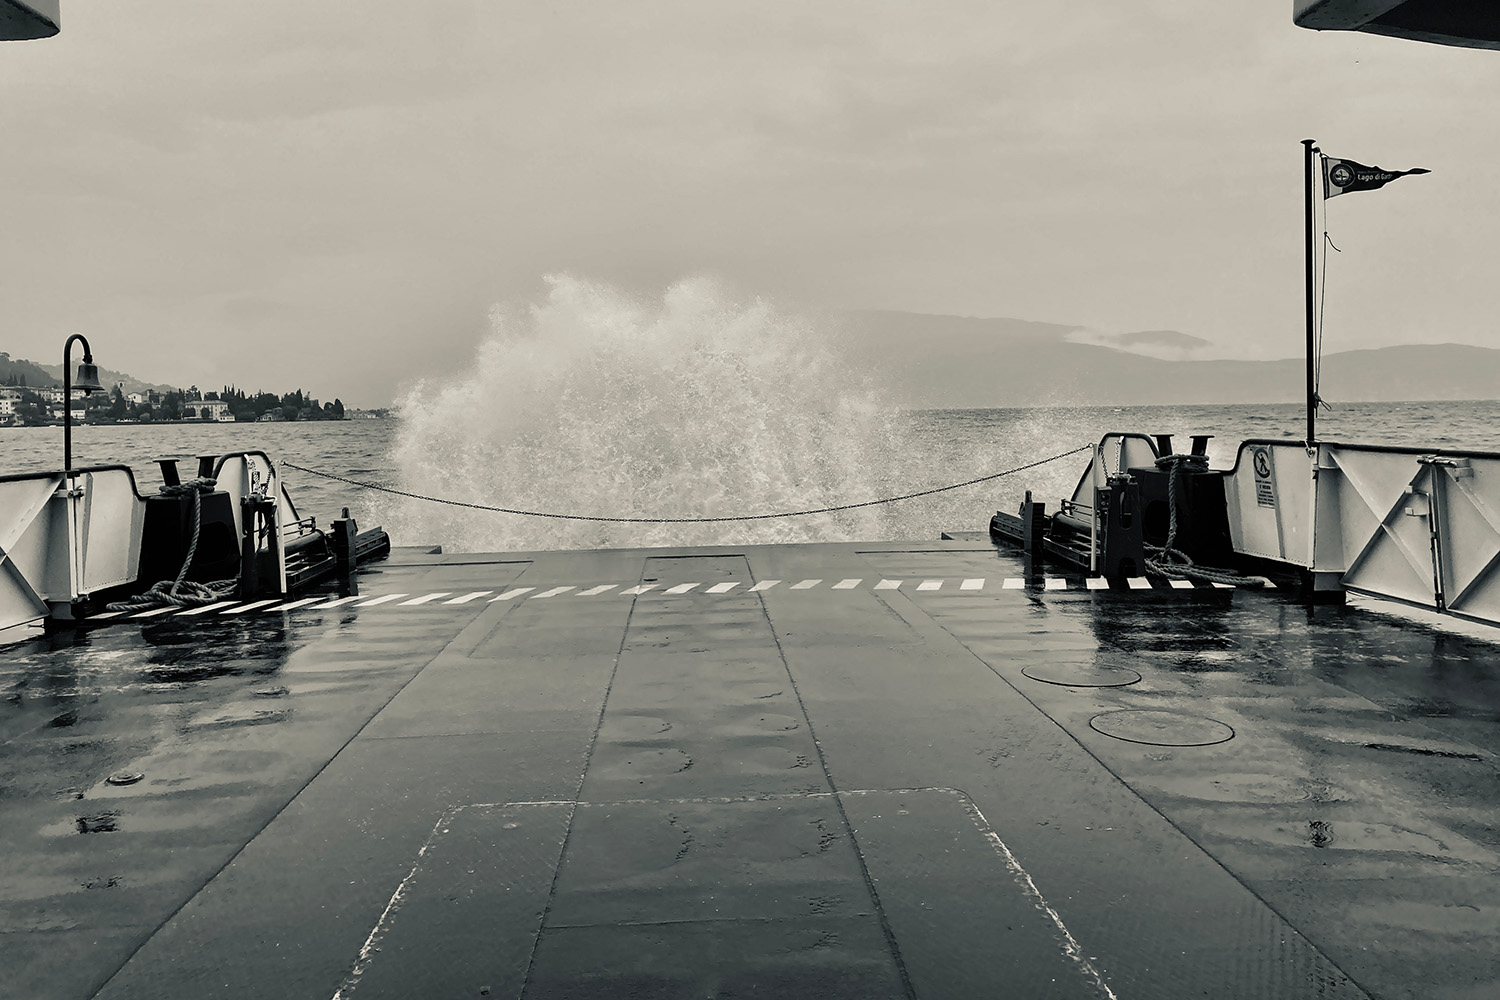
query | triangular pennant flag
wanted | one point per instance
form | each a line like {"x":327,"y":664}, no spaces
{"x":1344,"y":176}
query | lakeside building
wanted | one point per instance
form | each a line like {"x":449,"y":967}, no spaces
{"x":208,"y":409}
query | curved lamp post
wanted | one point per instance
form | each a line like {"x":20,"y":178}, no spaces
{"x":88,"y":381}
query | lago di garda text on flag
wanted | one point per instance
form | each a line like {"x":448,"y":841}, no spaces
{"x":1344,"y":176}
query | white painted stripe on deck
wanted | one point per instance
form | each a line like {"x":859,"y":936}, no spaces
{"x":551,"y":593}
{"x":466,"y":598}
{"x":517,"y":592}
{"x":114,"y":614}
{"x":289,"y":605}
{"x":847,"y":584}
{"x":155,"y":611}
{"x":1223,"y":586}
{"x":1138,"y":583}
{"x":1182,"y":584}
{"x":257,"y":604}
{"x":596,"y":590}
{"x":205,"y":609}
{"x":1056,"y":583}
{"x":1096,"y":583}
{"x":888,"y":585}
{"x":1013,"y":583}
{"x":388,"y":598}
{"x":1071,"y":949}
{"x":930,"y":585}
{"x":682,"y":588}
{"x":425,"y":598}
{"x":764,"y":585}
{"x":334,"y":604}
{"x":806,"y":584}
{"x":722,"y":588}
{"x":972,"y":584}
{"x":641,"y":589}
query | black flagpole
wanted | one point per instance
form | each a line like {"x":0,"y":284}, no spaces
{"x":1309,"y":150}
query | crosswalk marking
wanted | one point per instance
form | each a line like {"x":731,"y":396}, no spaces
{"x":1056,"y":583}
{"x":205,"y":609}
{"x":425,"y":598}
{"x":289,"y":605}
{"x":682,"y":588}
{"x":466,"y":598}
{"x":763,"y":585}
{"x":721,"y":588}
{"x":888,"y":585}
{"x":259,"y":604}
{"x":806,"y":584}
{"x":517,"y":592}
{"x":972,"y":584}
{"x":1139,"y":583}
{"x":334,"y":604}
{"x":1013,"y":583}
{"x":930,"y":585}
{"x":847,"y":584}
{"x":641,"y":589}
{"x":551,"y":593}
{"x":597,"y":590}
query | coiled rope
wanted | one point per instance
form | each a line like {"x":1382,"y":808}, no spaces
{"x":683,"y":520}
{"x":1164,"y":560}
{"x":182,"y":593}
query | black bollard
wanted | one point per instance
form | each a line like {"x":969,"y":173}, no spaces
{"x":345,"y":530}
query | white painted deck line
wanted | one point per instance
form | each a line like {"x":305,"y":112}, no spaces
{"x":1138,"y":583}
{"x":155,"y":611}
{"x":289,"y":605}
{"x":763,"y":585}
{"x":205,"y":609}
{"x":972,"y":584}
{"x":641,"y":589}
{"x":116,"y":614}
{"x":1096,"y":583}
{"x":1182,"y":584}
{"x":1056,"y":583}
{"x":517,"y":592}
{"x":1223,"y":586}
{"x":334,"y":604}
{"x":806,"y":584}
{"x":1013,"y":583}
{"x":466,"y":598}
{"x":682,"y":588}
{"x":258,"y":604}
{"x":425,"y":598}
{"x":888,"y":585}
{"x":930,"y":585}
{"x":551,"y":593}
{"x":388,"y":598}
{"x":722,"y":588}
{"x":596,"y":590}
{"x":847,"y":584}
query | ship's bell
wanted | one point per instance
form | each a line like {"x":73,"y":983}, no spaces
{"x":88,"y":378}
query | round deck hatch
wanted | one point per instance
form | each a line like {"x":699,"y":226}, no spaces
{"x":1081,"y":674}
{"x":1161,"y":729}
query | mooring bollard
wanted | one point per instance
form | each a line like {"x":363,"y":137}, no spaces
{"x":345,"y":530}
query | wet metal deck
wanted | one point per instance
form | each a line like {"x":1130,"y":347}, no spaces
{"x":906,"y":778}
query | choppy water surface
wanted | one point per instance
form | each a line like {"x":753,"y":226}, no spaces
{"x":694,"y":405}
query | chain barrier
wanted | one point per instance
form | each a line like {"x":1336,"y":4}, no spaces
{"x":684,"y":520}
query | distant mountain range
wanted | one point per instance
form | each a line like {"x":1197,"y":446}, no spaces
{"x":959,"y":362}
{"x":40,"y":376}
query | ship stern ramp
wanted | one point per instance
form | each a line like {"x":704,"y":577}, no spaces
{"x":819,"y":770}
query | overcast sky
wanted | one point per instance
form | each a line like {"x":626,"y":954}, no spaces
{"x":331,"y":193}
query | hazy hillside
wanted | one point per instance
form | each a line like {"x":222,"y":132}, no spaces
{"x":34,"y":375}
{"x":947,"y":361}
{"x":109,"y":377}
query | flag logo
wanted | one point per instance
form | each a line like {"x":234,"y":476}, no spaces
{"x":1345,"y":176}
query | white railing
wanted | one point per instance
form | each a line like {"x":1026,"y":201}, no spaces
{"x":62,"y":538}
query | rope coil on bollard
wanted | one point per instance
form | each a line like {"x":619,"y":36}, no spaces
{"x":682,"y":520}
{"x":182,"y":593}
{"x":1171,"y":562}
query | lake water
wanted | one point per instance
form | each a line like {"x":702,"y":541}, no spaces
{"x":730,"y":468}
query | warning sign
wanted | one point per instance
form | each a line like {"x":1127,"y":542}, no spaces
{"x":1265,"y":481}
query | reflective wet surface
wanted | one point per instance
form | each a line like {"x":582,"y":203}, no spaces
{"x":817,"y":792}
